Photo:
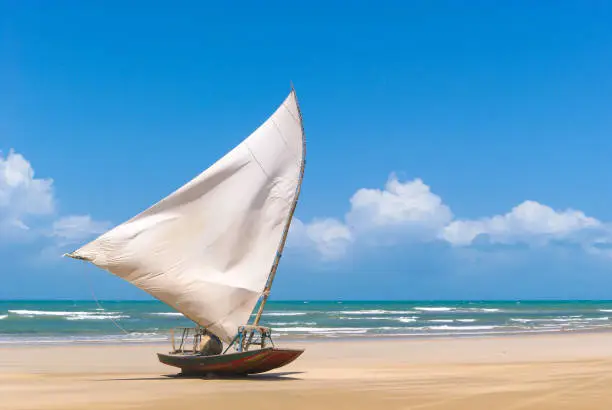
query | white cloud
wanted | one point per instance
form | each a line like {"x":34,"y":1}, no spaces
{"x":410,"y":210}
{"x":329,"y":237}
{"x":22,"y":196}
{"x":401,"y":210}
{"x":529,"y":222}
{"x":77,"y":228}
{"x":27,"y":206}
{"x":410,"y":205}
{"x":378,"y":215}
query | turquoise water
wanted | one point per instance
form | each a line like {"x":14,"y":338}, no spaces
{"x":150,"y":321}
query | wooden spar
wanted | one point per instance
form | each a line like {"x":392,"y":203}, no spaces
{"x":266,"y":291}
{"x":70,"y":255}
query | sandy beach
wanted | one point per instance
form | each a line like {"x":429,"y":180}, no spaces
{"x":567,"y":371}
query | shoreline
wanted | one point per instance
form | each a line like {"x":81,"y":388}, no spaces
{"x":32,"y":342}
{"x":567,"y":345}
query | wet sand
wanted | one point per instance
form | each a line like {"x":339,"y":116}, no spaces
{"x":562,"y":371}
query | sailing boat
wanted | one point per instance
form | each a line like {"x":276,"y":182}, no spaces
{"x":211,"y":249}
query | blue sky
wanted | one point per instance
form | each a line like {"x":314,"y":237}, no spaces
{"x":429,"y":125}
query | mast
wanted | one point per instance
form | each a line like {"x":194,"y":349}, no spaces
{"x":281,"y":246}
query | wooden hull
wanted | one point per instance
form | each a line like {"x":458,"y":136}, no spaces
{"x":250,"y":362}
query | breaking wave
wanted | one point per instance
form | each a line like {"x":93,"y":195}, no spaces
{"x":285,"y":314}
{"x":177,"y":314}
{"x":97,"y":315}
{"x":376,"y":312}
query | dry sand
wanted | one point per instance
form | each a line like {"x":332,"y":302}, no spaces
{"x":566,"y":371}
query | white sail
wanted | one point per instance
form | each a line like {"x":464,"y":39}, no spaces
{"x":207,"y":249}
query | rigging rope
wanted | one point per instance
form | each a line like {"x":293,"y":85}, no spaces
{"x":95,"y":298}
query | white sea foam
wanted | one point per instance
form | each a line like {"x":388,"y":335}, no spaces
{"x":143,"y":337}
{"x":69,"y":315}
{"x":469,"y":333}
{"x":446,"y":327}
{"x":284,"y":314}
{"x":345,"y":332}
{"x":562,"y":320}
{"x":451,"y":320}
{"x":379,"y":318}
{"x":141,"y":334}
{"x":435,"y":309}
{"x":389,"y":328}
{"x":457,"y":309}
{"x":566,"y":319}
{"x":166,"y":314}
{"x":149,"y":337}
{"x":45,"y":313}
{"x":376,"y":321}
{"x":95,"y":317}
{"x":376,"y":312}
{"x":293,"y":323}
{"x":363,"y":312}
{"x":323,"y":330}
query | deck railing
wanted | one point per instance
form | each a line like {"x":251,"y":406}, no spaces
{"x":187,"y":339}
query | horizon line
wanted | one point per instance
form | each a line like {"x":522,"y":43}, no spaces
{"x":317,"y":300}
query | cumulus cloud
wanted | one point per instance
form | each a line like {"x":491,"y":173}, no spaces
{"x":410,"y":210}
{"x":529,"y":222}
{"x":329,"y":237}
{"x":379,"y":215}
{"x":28,"y":210}
{"x":408,"y":205}
{"x":402,"y":211}
{"x":22,"y":196}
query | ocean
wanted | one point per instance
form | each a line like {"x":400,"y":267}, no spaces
{"x":26,"y":322}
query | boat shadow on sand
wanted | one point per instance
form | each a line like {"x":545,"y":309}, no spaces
{"x":277,"y":376}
